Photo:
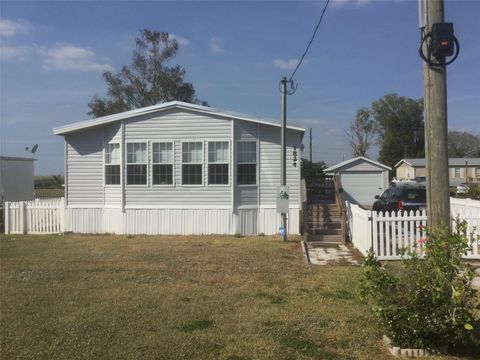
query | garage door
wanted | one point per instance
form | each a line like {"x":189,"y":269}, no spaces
{"x":361,"y":187}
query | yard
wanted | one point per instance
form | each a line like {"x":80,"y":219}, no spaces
{"x":118,"y":297}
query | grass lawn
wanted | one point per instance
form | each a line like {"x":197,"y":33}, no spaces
{"x":49,"y":192}
{"x":117,"y":297}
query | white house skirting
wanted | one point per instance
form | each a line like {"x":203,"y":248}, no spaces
{"x":178,"y":221}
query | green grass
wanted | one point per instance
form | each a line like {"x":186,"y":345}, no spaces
{"x":118,"y":297}
{"x":49,"y":192}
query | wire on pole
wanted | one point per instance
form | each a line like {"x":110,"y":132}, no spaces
{"x":308,"y":46}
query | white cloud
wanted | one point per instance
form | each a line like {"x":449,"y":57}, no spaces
{"x":70,"y":57}
{"x":13,"y":53}
{"x":215,"y":45}
{"x":285,"y":64}
{"x":181,"y":40}
{"x":9,"y":28}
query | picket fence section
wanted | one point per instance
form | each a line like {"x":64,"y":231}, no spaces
{"x":388,"y":233}
{"x":39,"y":216}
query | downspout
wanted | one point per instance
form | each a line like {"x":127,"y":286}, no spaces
{"x":258,"y":174}
{"x":122,"y":165}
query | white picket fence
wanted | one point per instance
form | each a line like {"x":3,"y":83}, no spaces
{"x":388,"y":233}
{"x":39,"y":216}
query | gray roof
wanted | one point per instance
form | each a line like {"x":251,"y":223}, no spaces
{"x":16,"y":158}
{"x":62,"y":130}
{"x":451,"y":162}
{"x":361,"y":158}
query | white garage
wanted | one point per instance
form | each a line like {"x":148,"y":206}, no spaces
{"x":362,"y":179}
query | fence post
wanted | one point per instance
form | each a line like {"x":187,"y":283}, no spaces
{"x":374,"y":243}
{"x":6,"y":217}
{"x":62,"y":210}
{"x":22,"y":208}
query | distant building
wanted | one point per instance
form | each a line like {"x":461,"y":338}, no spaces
{"x":16,"y":178}
{"x":361,"y":178}
{"x":461,"y":170}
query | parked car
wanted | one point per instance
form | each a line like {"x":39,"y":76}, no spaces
{"x":402,"y":196}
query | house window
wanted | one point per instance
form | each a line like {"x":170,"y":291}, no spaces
{"x":218,"y":160}
{"x":477,"y":172}
{"x":457,"y":172}
{"x":162,"y":163}
{"x":137,"y":164}
{"x":246,"y":163}
{"x":192,"y":163}
{"x":112,"y":164}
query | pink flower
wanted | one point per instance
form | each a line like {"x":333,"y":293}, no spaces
{"x":423,"y":240}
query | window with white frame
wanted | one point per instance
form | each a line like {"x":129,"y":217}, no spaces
{"x":162,"y":163}
{"x":136,"y":164}
{"x":457,"y":172}
{"x":112,"y":164}
{"x":246,"y":163}
{"x":192,"y":163}
{"x":218,"y":162}
{"x":477,"y":172}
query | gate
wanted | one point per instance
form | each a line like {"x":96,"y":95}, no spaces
{"x":322,"y":191}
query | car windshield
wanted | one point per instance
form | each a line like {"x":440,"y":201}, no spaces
{"x":415,"y":195}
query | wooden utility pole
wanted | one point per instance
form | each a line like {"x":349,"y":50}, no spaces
{"x":284,"y":148}
{"x":436,"y":129}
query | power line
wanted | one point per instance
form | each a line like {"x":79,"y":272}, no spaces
{"x":311,"y":40}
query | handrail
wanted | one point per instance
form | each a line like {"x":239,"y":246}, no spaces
{"x":340,"y":201}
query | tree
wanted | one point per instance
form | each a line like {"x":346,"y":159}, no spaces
{"x":148,"y":80}
{"x":361,"y":132}
{"x":312,"y":172}
{"x":463,"y":144}
{"x":399,"y":127}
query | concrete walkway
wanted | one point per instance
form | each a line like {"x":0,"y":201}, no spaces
{"x":331,"y":255}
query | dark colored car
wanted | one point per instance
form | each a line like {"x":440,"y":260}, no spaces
{"x":402,"y":196}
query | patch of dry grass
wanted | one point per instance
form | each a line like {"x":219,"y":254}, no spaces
{"x":172,"y":297}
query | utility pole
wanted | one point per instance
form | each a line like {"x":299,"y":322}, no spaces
{"x":310,"y":144}
{"x":436,"y":126}
{"x":284,"y":148}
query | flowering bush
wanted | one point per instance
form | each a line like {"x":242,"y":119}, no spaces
{"x":430,"y":303}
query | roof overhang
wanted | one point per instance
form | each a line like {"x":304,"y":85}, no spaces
{"x":402,"y":161}
{"x":82,"y":125}
{"x":349,"y":161}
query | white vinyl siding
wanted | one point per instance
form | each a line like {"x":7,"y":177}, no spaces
{"x":85,"y":168}
{"x":270,"y":166}
{"x":86,"y":160}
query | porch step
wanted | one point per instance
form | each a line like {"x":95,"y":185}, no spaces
{"x":323,"y":231}
{"x":323,"y":224}
{"x":325,"y":239}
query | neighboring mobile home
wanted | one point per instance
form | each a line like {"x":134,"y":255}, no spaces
{"x":178,"y":168}
{"x":461,"y":170}
{"x":361,"y":178}
{"x":16,"y":179}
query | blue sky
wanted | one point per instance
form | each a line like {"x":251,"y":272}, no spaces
{"x":53,"y":53}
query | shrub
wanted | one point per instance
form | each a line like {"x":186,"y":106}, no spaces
{"x":430,"y":303}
